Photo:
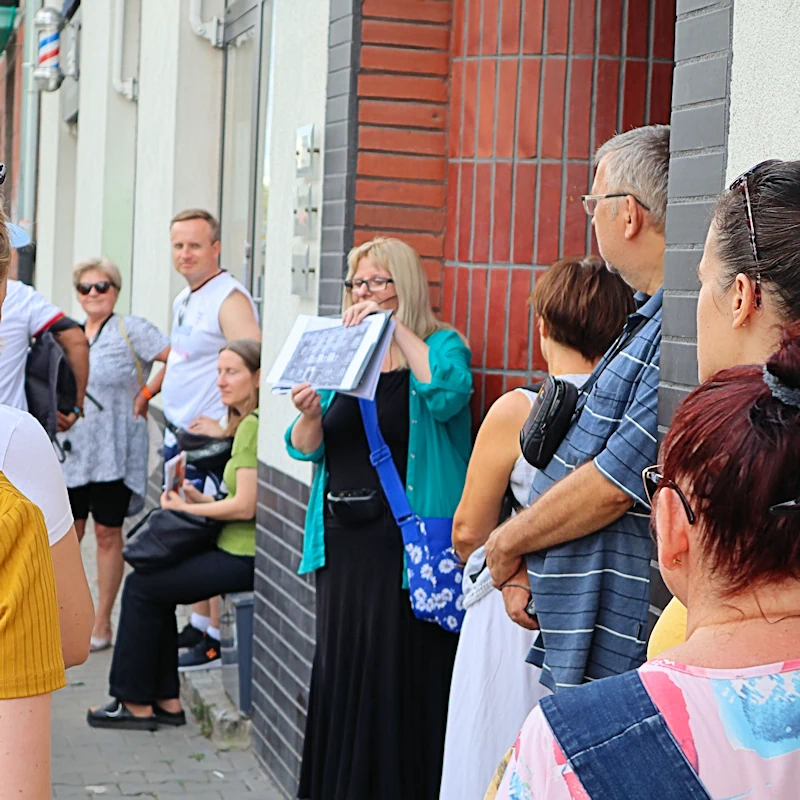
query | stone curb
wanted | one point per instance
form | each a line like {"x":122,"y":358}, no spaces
{"x":203,"y":694}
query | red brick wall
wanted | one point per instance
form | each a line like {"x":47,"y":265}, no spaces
{"x":537,"y":86}
{"x":402,"y":118}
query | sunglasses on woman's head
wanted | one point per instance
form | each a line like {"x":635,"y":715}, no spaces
{"x":742,"y":182}
{"x":101,"y":287}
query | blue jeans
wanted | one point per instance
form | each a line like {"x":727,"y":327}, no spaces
{"x":618,"y":743}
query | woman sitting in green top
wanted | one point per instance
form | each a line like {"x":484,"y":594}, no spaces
{"x":380,"y":677}
{"x":144,"y":670}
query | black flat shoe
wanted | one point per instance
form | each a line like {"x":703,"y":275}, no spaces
{"x":115,"y":715}
{"x":174,"y":718}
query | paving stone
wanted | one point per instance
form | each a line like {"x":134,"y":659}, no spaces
{"x":170,"y":763}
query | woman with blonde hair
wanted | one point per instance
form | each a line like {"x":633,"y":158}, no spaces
{"x":144,"y":670}
{"x":106,"y":452}
{"x":381,"y":676}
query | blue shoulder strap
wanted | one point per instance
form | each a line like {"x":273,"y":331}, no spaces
{"x":618,"y":744}
{"x":381,"y":458}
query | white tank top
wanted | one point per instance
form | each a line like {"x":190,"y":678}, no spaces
{"x":190,"y":385}
{"x":521,"y":481}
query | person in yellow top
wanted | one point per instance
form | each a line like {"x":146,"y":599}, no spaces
{"x":31,"y":664}
{"x":45,"y":605}
{"x":750,"y":292}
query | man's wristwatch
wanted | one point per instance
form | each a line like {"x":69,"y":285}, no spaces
{"x":77,"y":410}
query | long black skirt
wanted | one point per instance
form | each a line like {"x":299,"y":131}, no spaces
{"x":381,"y":678}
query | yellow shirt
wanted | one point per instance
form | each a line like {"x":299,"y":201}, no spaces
{"x":30,"y":639}
{"x":670,"y":630}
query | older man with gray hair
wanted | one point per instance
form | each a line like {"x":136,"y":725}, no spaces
{"x":583,"y":547}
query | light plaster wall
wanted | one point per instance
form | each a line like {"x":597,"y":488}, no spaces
{"x":55,"y":207}
{"x":765,"y":93}
{"x":106,"y":143}
{"x":177,"y":148}
{"x":300,"y":64}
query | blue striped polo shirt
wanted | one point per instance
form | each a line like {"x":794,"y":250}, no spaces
{"x":592,"y":594}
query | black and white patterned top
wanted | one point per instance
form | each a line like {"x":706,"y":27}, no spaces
{"x":109,"y":444}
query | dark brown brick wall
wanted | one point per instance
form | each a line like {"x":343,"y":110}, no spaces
{"x":284,"y":634}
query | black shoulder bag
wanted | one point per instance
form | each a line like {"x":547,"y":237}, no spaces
{"x":556,"y":407}
{"x":165,"y":538}
{"x":207,"y":453}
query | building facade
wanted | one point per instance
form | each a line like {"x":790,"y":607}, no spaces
{"x":465,"y":127}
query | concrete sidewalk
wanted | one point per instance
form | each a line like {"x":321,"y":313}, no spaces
{"x":176,"y":762}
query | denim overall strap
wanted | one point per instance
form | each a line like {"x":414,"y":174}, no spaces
{"x":381,"y":458}
{"x":617,"y":742}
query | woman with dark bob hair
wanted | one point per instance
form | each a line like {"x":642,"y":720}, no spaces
{"x":749,"y":293}
{"x":580,"y":309}
{"x":719,"y":715}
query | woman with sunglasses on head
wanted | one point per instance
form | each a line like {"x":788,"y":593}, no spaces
{"x":381,"y":676}
{"x":750,"y":292}
{"x":106,"y":452}
{"x":717,"y":716}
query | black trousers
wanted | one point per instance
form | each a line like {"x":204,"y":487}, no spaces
{"x":145,"y":663}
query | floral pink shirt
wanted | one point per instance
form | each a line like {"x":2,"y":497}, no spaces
{"x":739,"y":729}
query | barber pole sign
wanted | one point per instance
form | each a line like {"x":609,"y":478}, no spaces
{"x":46,"y":75}
{"x":49,"y":46}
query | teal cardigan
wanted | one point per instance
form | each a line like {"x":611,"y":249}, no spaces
{"x":439,"y":443}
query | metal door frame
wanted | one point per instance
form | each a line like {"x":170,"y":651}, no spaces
{"x":241,"y":16}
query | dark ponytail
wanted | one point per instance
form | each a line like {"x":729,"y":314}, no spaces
{"x":774,"y":189}
{"x":785,"y":364}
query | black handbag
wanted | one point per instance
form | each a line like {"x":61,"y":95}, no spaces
{"x":557,"y":406}
{"x":548,"y":422}
{"x":165,"y":538}
{"x":206,"y":453}
{"x":357,"y":506}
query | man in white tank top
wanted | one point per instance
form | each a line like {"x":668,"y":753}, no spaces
{"x":212,"y":310}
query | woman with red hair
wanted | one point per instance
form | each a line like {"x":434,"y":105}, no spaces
{"x":719,"y":715}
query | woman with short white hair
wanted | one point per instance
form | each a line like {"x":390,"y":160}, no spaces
{"x":106,"y":452}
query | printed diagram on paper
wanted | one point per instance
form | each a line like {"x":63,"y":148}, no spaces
{"x":322,"y":357}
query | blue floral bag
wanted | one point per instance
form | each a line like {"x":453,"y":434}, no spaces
{"x":434,"y":578}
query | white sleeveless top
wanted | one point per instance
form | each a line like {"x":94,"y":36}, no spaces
{"x":520,"y":480}
{"x":190,"y":385}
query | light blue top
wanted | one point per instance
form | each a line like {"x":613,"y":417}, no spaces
{"x":439,"y":443}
